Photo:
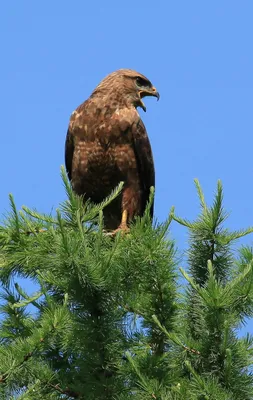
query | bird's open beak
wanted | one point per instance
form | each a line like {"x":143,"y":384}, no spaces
{"x":155,"y":93}
{"x":148,"y":92}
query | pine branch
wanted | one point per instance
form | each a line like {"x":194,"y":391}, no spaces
{"x":67,"y":391}
{"x":52,"y":322}
{"x":174,"y":338}
{"x":15,"y":214}
{"x":4,"y":377}
{"x":23,"y":294}
{"x":39,"y":216}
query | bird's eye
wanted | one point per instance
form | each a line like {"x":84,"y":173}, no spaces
{"x":142,"y":82}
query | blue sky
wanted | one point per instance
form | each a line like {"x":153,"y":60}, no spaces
{"x":197,"y":53}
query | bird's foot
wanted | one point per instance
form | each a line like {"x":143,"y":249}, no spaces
{"x":123,"y":228}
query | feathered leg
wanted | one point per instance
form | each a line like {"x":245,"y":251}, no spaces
{"x":130,"y":208}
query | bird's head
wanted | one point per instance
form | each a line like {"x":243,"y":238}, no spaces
{"x":127,"y":86}
{"x":143,"y":87}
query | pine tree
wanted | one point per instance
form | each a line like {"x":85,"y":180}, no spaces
{"x":111,"y":318}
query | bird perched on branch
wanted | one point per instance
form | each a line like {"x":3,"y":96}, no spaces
{"x":107,"y":143}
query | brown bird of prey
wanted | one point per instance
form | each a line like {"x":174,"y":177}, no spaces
{"x":107,"y":143}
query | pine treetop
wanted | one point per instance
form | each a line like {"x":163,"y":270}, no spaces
{"x":110,"y":319}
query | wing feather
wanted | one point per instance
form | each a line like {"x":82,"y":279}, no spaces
{"x":69,"y":151}
{"x":145,"y":162}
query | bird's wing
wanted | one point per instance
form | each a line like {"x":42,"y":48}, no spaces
{"x":74,"y":129}
{"x":69,"y":151}
{"x":144,"y":158}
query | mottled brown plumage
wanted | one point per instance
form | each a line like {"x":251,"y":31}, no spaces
{"x":107,"y":143}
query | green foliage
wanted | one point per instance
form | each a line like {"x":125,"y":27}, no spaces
{"x":109,"y":319}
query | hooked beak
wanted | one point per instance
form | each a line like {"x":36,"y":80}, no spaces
{"x":155,"y":93}
{"x":150,"y":92}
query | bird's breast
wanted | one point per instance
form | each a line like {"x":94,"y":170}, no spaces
{"x":104,"y":162}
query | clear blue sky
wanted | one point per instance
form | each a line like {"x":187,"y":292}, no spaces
{"x":197,"y":53}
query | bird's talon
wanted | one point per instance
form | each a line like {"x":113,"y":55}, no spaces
{"x":122,"y":229}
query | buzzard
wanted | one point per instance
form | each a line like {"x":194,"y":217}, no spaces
{"x":107,"y":143}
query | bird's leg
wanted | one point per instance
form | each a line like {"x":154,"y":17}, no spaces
{"x":130,"y":206}
{"x":123,"y":225}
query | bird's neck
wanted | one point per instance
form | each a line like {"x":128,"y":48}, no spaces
{"x":114,"y":99}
